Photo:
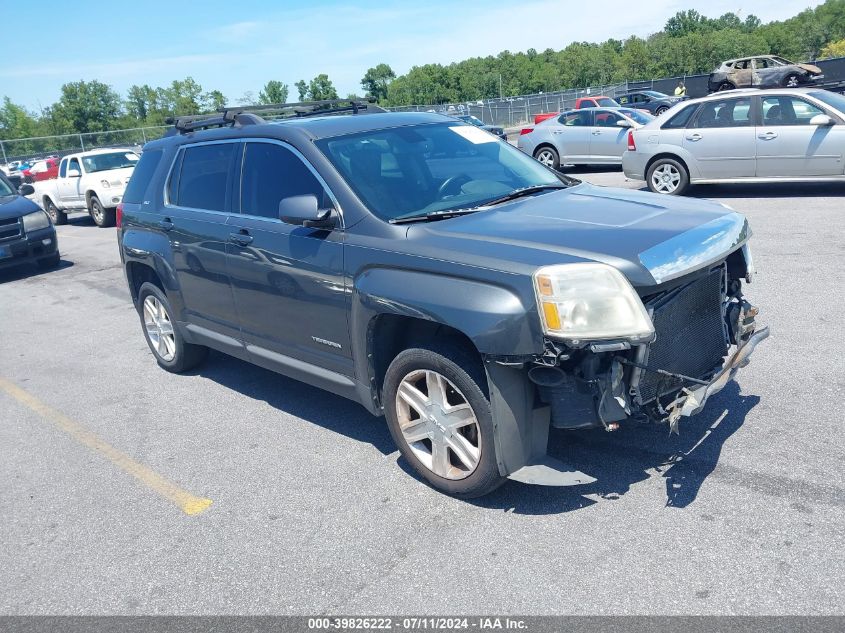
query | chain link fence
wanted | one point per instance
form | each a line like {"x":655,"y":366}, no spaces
{"x":39,"y":147}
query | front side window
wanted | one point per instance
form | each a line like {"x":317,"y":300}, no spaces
{"x":414,"y":170}
{"x":63,"y":168}
{"x":107,"y":162}
{"x":204,"y":179}
{"x":271,"y":173}
{"x":74,"y":164}
{"x":606,"y":119}
{"x":725,"y":113}
{"x":784,"y":110}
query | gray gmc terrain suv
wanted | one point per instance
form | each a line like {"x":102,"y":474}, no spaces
{"x":438,"y":276}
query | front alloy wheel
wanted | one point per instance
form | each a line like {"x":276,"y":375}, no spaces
{"x":438,"y":424}
{"x":439,"y":415}
{"x":168,"y":346}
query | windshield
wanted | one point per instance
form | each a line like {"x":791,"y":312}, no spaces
{"x":833,"y":99}
{"x":421,"y":169}
{"x":105,"y":162}
{"x":655,"y":94}
{"x":5,"y":189}
{"x":607,"y":102}
{"x":639,"y":117}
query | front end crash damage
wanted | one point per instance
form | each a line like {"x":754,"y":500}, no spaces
{"x":705,"y":331}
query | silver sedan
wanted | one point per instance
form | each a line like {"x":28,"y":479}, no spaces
{"x":593,"y":136}
{"x":788,"y":134}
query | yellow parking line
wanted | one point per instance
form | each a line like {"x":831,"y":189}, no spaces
{"x":188,"y":503}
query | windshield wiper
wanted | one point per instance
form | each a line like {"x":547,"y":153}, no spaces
{"x":520,"y":193}
{"x":445,"y":214}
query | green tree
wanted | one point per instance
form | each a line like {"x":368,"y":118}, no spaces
{"x":321,"y":88}
{"x":213,"y":100}
{"x":834,"y":49}
{"x":302,"y":88}
{"x":86,"y":107}
{"x":685,"y":22}
{"x":376,"y":81}
{"x":273,"y":92}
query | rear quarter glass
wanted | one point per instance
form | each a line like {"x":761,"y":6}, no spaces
{"x":141,"y":176}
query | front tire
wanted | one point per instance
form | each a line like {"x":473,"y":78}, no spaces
{"x":102,"y":217}
{"x":725,"y":85}
{"x":660,"y":110}
{"x":439,"y":415}
{"x":58,"y":217}
{"x":667,"y":176}
{"x":792,"y":80}
{"x":164,"y":338}
{"x":548,"y":156}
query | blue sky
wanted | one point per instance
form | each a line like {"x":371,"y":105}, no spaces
{"x":237,"y":47}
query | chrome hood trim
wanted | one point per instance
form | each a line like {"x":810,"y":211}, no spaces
{"x":696,"y":248}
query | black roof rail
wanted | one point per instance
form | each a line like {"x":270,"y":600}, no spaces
{"x":238,"y":116}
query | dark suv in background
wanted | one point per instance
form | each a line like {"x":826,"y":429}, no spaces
{"x":437,"y":276}
{"x":26,"y":233}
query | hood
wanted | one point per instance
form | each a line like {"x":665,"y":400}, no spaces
{"x":810,"y":68}
{"x":650,"y":238}
{"x":16,"y":206}
{"x":116,"y":177}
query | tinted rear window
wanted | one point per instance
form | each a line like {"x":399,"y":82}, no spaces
{"x":681,"y":119}
{"x":140,"y":179}
{"x":205,"y":176}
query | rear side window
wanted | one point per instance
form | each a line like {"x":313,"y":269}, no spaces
{"x":141,"y":176}
{"x":681,"y":119}
{"x":203,"y":182}
{"x":270,"y":173}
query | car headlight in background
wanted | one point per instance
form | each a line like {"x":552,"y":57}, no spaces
{"x":35,"y":221}
{"x":588,"y":301}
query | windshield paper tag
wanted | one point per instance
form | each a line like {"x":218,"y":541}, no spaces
{"x":474,"y":134}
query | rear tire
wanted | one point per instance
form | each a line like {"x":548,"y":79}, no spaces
{"x":667,"y":176}
{"x":725,"y":85}
{"x":58,"y":217}
{"x":548,"y":156}
{"x":164,"y":338}
{"x":455,"y":451}
{"x":660,"y":110}
{"x":102,"y":217}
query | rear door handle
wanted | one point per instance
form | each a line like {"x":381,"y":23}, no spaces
{"x":241,"y":238}
{"x":694,"y":137}
{"x":596,"y":132}
{"x":166,"y":224}
{"x":767,"y":135}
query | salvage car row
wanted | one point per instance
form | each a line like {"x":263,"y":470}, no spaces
{"x":748,"y":135}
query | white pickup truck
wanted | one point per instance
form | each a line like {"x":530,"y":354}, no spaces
{"x":91,"y":181}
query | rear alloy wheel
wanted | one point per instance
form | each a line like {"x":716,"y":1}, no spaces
{"x":58,"y":217}
{"x":660,"y":110}
{"x":725,"y":85}
{"x":440,"y":418}
{"x":667,"y":176}
{"x":548,"y":156}
{"x":792,"y":80}
{"x":102,"y":217}
{"x":163,"y":337}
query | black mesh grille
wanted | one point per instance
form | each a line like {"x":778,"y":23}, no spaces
{"x":690,"y":336}
{"x":10,"y":228}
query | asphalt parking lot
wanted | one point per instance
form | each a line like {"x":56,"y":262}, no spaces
{"x":232,"y":490}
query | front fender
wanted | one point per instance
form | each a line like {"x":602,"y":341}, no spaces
{"x":492,"y":316}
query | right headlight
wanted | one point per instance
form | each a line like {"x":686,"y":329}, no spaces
{"x":36,"y":220}
{"x":588,"y":302}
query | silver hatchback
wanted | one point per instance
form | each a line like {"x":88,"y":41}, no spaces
{"x":795,"y":134}
{"x":591,"y":136}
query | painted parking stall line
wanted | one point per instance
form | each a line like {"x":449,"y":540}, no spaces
{"x":184,"y":500}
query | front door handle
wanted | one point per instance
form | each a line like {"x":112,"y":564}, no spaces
{"x":694,"y":137}
{"x":767,"y":135}
{"x":596,"y":132}
{"x":166,"y":223}
{"x":241,"y":238}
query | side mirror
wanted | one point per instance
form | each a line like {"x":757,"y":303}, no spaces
{"x":304,"y":211}
{"x":821,"y":120}
{"x":26,"y":190}
{"x":73,"y":173}
{"x":623,"y":123}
